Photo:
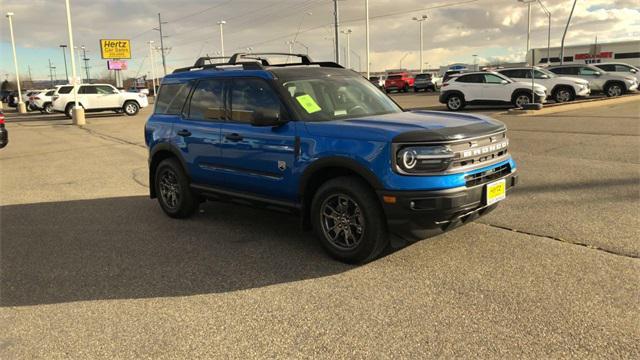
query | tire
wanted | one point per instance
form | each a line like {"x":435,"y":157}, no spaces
{"x":69,"y":110}
{"x":358,"y":211}
{"x":521,"y":98}
{"x":614,"y":89}
{"x":175,"y":196}
{"x":48,"y":108}
{"x":564,"y":94}
{"x":130,"y":108}
{"x":455,"y":102}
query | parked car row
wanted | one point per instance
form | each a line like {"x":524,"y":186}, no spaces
{"x":98,"y":97}
{"x":404,"y":82}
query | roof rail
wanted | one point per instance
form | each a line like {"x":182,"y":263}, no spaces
{"x":252,"y":61}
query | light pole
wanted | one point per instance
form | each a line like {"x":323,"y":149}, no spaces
{"x":528,"y":2}
{"x":21,"y":107}
{"x":306,"y":48}
{"x":366,"y":30}
{"x":64,"y":57}
{"x":153,"y":68}
{"x":79,"y":62}
{"x":475,"y":62}
{"x":420,"y":21}
{"x":78,"y":111}
{"x":336,"y":23}
{"x":221,"y":24}
{"x":546,"y":11}
{"x":565,"y":32}
{"x":348,"y":33}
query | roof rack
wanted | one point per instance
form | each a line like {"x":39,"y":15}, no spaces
{"x":252,"y":61}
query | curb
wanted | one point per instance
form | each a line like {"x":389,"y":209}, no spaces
{"x":576,"y":105}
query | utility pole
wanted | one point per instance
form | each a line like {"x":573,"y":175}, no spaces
{"x":348,"y":56}
{"x":64,"y":57}
{"x":366,"y":30}
{"x":159,"y":28}
{"x":337,"y":29}
{"x":565,"y":32}
{"x":86,"y":62}
{"x":420,"y":21}
{"x":51,"y":73}
{"x":153,"y":68}
{"x":221,"y":24}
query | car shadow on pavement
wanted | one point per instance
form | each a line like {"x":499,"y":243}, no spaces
{"x":124,"y":248}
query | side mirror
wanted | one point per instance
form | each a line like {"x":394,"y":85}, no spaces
{"x":266,"y":117}
{"x":597,"y":73}
{"x":633,"y":71}
{"x":544,"y":76}
{"x":504,"y":82}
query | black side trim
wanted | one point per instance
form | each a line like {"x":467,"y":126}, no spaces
{"x":271,"y":175}
{"x":226,"y":194}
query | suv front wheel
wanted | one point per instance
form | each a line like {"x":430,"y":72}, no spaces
{"x":130,"y":108}
{"x":349,"y":221}
{"x":455,"y":102}
{"x":172,"y":186}
{"x":614,"y":89}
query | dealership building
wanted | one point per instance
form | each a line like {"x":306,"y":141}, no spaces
{"x":622,"y":51}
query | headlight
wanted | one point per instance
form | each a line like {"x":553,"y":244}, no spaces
{"x":540,"y":92}
{"x":423,"y":159}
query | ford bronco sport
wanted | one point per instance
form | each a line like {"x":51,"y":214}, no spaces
{"x":321,"y":141}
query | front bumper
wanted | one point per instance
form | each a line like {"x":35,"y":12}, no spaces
{"x":583,"y":91}
{"x":418,"y":210}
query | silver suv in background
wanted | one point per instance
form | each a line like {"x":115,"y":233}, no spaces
{"x":561,"y":88}
{"x":612,"y":84}
{"x":620,"y":68}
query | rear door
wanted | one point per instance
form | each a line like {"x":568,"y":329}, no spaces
{"x":197,"y":131}
{"x":257,"y":159}
{"x":471,"y":85}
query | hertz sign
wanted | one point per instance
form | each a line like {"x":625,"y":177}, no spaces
{"x":115,"y":49}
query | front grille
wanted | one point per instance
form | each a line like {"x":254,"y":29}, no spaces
{"x":487,"y":176}
{"x":477,"y":153}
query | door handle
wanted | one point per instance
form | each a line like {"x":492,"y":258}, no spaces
{"x":184,"y":132}
{"x":233,"y":137}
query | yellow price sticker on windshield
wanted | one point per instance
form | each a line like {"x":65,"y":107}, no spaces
{"x":309,"y":105}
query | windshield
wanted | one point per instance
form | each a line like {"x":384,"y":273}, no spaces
{"x":423,"y":76}
{"x":338,"y":97}
{"x":394,"y":77}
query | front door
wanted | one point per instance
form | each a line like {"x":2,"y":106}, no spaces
{"x":257,"y":159}
{"x":107,"y":97}
{"x":494,"y":89}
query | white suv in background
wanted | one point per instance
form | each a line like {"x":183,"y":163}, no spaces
{"x":99,"y":97}
{"x":488,"y":88}
{"x":561,"y":88}
{"x":620,"y":68}
{"x":42,"y":101}
{"x":611,"y":84}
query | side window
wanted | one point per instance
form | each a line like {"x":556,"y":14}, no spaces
{"x":608,"y":67}
{"x":621,"y":68}
{"x":65,"y":89}
{"x":207,"y":102}
{"x":50,"y":93}
{"x":87,"y":90}
{"x":104,"y":90}
{"x":538,"y":74}
{"x":510,"y":73}
{"x":587,"y":71}
{"x":492,"y":79}
{"x":171,"y":98}
{"x":252,"y":97}
{"x":471,"y":78}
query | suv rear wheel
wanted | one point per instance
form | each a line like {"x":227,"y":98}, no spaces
{"x":172,"y":186}
{"x":349,"y":221}
{"x":455,"y":102}
{"x":130,"y":108}
{"x":48,"y":108}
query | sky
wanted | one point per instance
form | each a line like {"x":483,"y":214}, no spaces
{"x":453,"y":32}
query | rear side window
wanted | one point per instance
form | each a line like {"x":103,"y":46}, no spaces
{"x":607,"y":67}
{"x":65,"y":89}
{"x":471,"y":78}
{"x":87,"y":90}
{"x":103,"y":89}
{"x":207,"y":102}
{"x":50,"y":93}
{"x":171,"y":98}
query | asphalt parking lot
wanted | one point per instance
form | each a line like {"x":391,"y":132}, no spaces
{"x":92,"y":268}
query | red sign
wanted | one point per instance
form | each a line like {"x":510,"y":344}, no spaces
{"x":601,"y":55}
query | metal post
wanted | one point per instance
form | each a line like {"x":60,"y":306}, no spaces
{"x":86,"y":62}
{"x":565,"y":32}
{"x":529,"y":30}
{"x":51,"y":73}
{"x":347,"y":55}
{"x":164,"y":62}
{"x":421,"y":20}
{"x":366,"y":16}
{"x":64,"y":57}
{"x":221,"y":24}
{"x":337,"y":29}
{"x":21,"y":106}
{"x":78,"y":111}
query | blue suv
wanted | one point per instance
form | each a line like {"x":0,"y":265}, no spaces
{"x":321,"y":141}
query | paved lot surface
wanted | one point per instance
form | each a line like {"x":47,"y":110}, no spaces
{"x":91,"y":268}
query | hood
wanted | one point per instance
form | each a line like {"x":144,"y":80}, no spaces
{"x":527,"y":84}
{"x":411,"y":126}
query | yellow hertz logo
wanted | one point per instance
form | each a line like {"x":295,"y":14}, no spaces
{"x":485,"y":149}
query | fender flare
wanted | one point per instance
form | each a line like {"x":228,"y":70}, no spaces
{"x":163,"y":147}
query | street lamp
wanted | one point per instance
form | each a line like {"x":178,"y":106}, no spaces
{"x":64,"y":57}
{"x":528,"y":2}
{"x":221,"y":24}
{"x":153,"y":68}
{"x":475,"y":62}
{"x":21,"y":107}
{"x":546,"y":11}
{"x":78,"y":111}
{"x":348,"y":33}
{"x":79,"y":62}
{"x":366,"y":31}
{"x":420,"y":21}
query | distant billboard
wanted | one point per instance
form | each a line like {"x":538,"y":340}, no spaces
{"x":115,"y":49}
{"x":116,"y":65}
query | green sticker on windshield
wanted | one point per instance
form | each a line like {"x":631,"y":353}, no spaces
{"x":307,"y":102}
